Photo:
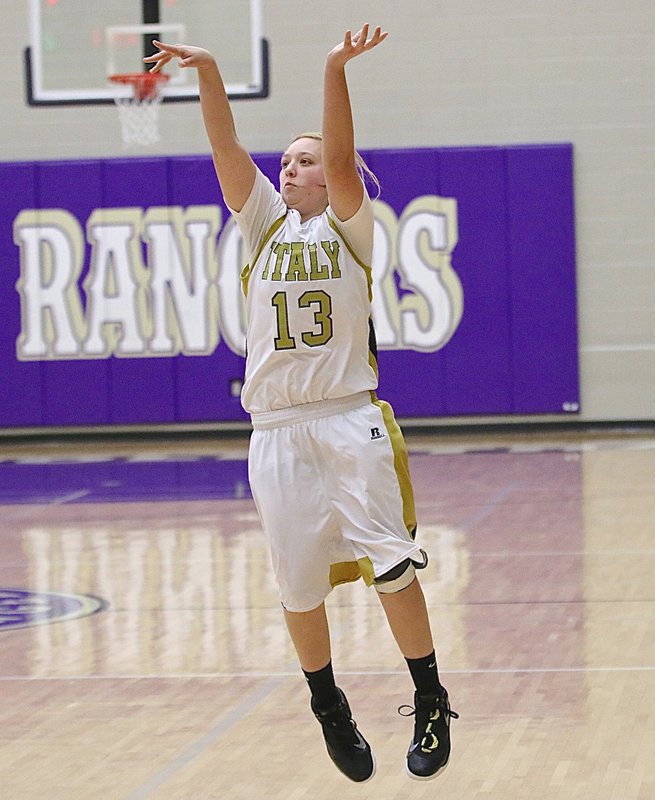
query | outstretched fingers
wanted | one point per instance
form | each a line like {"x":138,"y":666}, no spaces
{"x":360,"y":42}
{"x":165,"y":54}
{"x":353,"y":45}
{"x":187,"y":56}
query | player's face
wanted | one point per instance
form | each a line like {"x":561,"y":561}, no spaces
{"x":302,"y":182}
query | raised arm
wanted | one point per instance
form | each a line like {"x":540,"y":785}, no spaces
{"x":234,"y":166}
{"x":344,"y":186}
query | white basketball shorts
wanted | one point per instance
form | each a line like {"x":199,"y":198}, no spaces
{"x":331,"y":484}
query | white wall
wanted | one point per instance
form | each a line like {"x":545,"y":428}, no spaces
{"x":456,"y":72}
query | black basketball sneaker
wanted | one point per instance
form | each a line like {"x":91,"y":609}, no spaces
{"x":346,"y":746}
{"x":430,"y":748}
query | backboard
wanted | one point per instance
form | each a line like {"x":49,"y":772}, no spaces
{"x":76,"y":44}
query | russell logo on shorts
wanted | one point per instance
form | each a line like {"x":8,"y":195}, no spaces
{"x":377,"y":434}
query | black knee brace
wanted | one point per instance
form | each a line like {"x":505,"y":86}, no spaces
{"x":399,"y":577}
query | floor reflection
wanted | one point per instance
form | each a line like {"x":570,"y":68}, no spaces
{"x":539,"y":587}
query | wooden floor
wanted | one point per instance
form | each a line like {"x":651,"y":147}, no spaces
{"x":184,"y":686}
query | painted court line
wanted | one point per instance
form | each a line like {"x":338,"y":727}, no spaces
{"x":69,"y":498}
{"x":277,"y":677}
{"x":200,"y":745}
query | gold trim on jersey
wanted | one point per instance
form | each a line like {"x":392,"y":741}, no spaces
{"x":367,"y":269}
{"x":373,"y":363}
{"x":246,"y":272}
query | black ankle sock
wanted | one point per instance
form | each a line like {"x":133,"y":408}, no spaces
{"x":425,"y":674}
{"x":322,"y":686}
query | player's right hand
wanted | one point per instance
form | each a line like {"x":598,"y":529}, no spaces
{"x":187,"y":56}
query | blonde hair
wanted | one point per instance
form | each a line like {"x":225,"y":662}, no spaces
{"x":365,"y":172}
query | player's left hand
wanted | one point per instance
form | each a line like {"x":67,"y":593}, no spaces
{"x":354,"y":45}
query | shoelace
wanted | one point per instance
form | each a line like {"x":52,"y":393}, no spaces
{"x":341,"y":724}
{"x":441,"y":705}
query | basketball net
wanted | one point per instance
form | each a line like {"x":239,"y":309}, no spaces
{"x":139,"y":113}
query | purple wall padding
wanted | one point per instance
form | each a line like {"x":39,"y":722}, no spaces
{"x":513,"y":352}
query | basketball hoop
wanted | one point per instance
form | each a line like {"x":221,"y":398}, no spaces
{"x":139,"y":113}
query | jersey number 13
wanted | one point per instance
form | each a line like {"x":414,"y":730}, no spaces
{"x":320,"y":303}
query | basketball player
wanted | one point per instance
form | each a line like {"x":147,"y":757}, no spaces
{"x":327,"y":463}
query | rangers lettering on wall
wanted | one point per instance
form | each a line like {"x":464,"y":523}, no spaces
{"x":165,"y":281}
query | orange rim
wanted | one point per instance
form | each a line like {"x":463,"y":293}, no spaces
{"x":145,"y":85}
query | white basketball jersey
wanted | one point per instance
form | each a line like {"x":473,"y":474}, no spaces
{"x":308,"y":304}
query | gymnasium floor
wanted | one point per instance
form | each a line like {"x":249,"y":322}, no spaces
{"x":150,"y":661}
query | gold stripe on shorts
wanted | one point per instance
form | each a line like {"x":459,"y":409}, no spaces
{"x":401,"y":465}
